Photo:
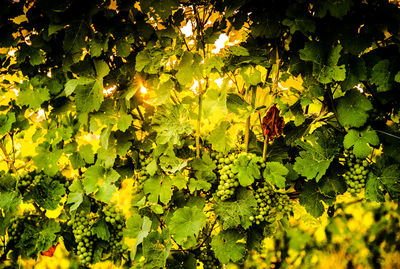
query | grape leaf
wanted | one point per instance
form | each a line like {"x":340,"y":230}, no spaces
{"x":312,"y":163}
{"x":198,"y":184}
{"x":186,"y":222}
{"x":32,"y":97}
{"x":170,"y":122}
{"x":397,"y":77}
{"x":124,"y":121}
{"x":91,"y":178}
{"x":247,"y":170}
{"x":105,"y":192}
{"x":228,"y":246}
{"x":361,"y":141}
{"x":100,"y":229}
{"x":76,"y":199}
{"x":243,"y":208}
{"x":6,"y":121}
{"x":390,"y":178}
{"x":47,"y":159}
{"x":47,"y":193}
{"x":380,"y":76}
{"x":311,"y":198}
{"x":38,"y":237}
{"x":219,"y":138}
{"x":373,"y":189}
{"x":336,"y":8}
{"x":71,"y":84}
{"x":186,"y":70}
{"x":204,"y":168}
{"x":137,"y":228}
{"x":86,"y":153}
{"x":275,"y":173}
{"x":352,"y":109}
{"x":156,"y":248}
{"x":158,"y":187}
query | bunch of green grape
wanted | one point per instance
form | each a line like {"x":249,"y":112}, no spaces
{"x":142,"y":174}
{"x":208,"y":259}
{"x":116,"y":223}
{"x":357,"y":172}
{"x":269,"y":204}
{"x":81,"y":228}
{"x":227,"y":179}
{"x":34,"y":178}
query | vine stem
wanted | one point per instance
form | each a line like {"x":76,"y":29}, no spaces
{"x":199,"y":125}
{"x":8,"y":159}
{"x":265,"y":147}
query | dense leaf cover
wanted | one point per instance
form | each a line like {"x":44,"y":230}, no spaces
{"x":140,"y":93}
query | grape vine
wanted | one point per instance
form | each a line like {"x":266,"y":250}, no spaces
{"x":167,"y":133}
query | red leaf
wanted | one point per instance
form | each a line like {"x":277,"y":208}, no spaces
{"x":272,"y":124}
{"x":50,"y":251}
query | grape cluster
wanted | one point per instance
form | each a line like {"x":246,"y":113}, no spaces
{"x":269,"y":204}
{"x":142,"y":175}
{"x":81,"y":228}
{"x":208,"y":259}
{"x":357,"y":172}
{"x":116,"y":223}
{"x":227,"y":179}
{"x":34,"y":178}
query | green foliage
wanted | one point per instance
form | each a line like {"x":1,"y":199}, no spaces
{"x":243,"y":207}
{"x":360,"y":141}
{"x":352,"y":109}
{"x":125,"y":99}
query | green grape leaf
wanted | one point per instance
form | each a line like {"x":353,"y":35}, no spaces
{"x":100,"y":229}
{"x":186,"y":72}
{"x":303,"y":25}
{"x":247,"y":170}
{"x":243,"y":207}
{"x":236,"y":104}
{"x":312,"y":164}
{"x":124,"y":121}
{"x":352,"y":109}
{"x":380,"y":76}
{"x":158,"y":187}
{"x":373,"y":189}
{"x":33,"y":97}
{"x":71,"y":84}
{"x":92,"y":176}
{"x":238,"y":51}
{"x":86,"y":153}
{"x":198,"y":184}
{"x":170,"y":122}
{"x":204,"y":168}
{"x":105,"y":192}
{"x":311,"y":198}
{"x":35,"y":239}
{"x":123,"y":48}
{"x":47,"y":193}
{"x":228,"y":246}
{"x":137,"y":228}
{"x":6,"y":121}
{"x":219,"y":138}
{"x":275,"y":173}
{"x":9,"y":204}
{"x":76,"y":199}
{"x":397,"y":77}
{"x":47,"y":159}
{"x":361,"y":141}
{"x":186,"y":222}
{"x":337,"y":9}
{"x":156,"y":249}
{"x":390,"y":178}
